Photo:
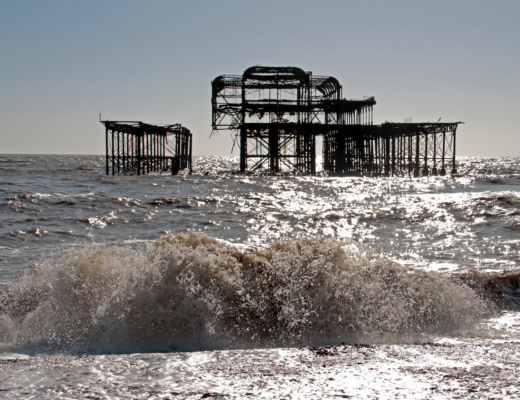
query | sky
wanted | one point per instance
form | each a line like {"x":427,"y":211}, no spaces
{"x":65,"y":62}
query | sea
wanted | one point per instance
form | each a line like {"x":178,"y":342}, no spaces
{"x":220,"y":284}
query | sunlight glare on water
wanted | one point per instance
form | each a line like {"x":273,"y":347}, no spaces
{"x":407,"y":273}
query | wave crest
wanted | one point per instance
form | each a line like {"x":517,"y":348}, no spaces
{"x":194,"y":292}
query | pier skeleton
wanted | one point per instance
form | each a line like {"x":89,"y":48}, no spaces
{"x":276,"y":113}
{"x":136,"y":147}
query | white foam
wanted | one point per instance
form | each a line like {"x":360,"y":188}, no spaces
{"x":189,"y":292}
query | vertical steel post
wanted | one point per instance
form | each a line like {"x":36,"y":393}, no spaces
{"x":454,"y":167}
{"x":425,"y":169}
{"x":118,"y":152}
{"x":434,"y":170}
{"x":417,"y":170}
{"x":191,"y":154}
{"x":126,"y":138}
{"x":273,"y":149}
{"x":113,"y":154}
{"x":106,"y":137}
{"x":387,"y":155}
{"x":313,"y":153}
{"x":393,"y":155}
{"x":148,"y":153}
{"x":156,"y":151}
{"x":443,"y":167}
{"x":410,"y":167}
{"x":132,"y":147}
{"x":163,"y":152}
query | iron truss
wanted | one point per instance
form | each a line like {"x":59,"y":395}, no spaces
{"x":276,"y":113}
{"x":136,"y":147}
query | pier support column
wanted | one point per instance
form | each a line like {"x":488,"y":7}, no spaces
{"x":443,"y":166}
{"x":425,"y":169}
{"x":393,"y":155}
{"x":454,"y":167}
{"x":417,"y":169}
{"x":273,"y":149}
{"x":387,"y":156}
{"x":107,"y":153}
{"x":434,"y":170}
{"x":243,"y":150}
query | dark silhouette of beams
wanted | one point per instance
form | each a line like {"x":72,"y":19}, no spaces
{"x":136,"y":147}
{"x":277,"y":112}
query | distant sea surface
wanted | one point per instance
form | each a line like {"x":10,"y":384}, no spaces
{"x":449,"y":224}
{"x":231,"y":277}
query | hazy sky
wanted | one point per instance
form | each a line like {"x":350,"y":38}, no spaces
{"x":64,"y":62}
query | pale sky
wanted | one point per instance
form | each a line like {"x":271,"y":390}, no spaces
{"x":64,"y":62}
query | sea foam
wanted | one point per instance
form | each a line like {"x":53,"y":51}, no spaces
{"x":192,"y":292}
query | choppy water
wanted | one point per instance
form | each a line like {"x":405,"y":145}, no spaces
{"x":217,"y":260}
{"x":449,"y":224}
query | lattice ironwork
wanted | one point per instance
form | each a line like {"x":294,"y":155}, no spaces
{"x":136,"y":147}
{"x":276,"y":113}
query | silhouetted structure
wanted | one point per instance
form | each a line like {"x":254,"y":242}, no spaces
{"x":136,"y":147}
{"x":277,"y":112}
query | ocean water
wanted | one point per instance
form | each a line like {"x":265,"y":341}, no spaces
{"x":239,"y":286}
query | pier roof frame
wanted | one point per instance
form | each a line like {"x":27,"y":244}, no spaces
{"x":140,"y":128}
{"x":316,"y":98}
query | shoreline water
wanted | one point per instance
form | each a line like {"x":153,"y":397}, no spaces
{"x":427,"y":370}
{"x":445,"y":227}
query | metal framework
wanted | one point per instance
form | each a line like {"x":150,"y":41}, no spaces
{"x":276,"y":113}
{"x":391,"y":149}
{"x":136,"y":147}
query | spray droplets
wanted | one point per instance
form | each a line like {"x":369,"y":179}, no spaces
{"x":193,"y":292}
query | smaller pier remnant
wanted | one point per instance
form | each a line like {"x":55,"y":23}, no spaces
{"x":136,"y":147}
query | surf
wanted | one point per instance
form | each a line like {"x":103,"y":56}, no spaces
{"x":194,"y":292}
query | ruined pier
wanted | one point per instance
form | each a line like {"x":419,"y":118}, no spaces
{"x":136,"y":147}
{"x":276,"y":114}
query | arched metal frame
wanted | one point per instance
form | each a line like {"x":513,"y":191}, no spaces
{"x":276,"y":113}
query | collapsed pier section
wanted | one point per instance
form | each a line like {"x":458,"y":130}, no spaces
{"x":136,"y":147}
{"x":276,"y":114}
{"x":391,"y":149}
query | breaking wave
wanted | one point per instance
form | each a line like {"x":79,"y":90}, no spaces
{"x":192,"y":292}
